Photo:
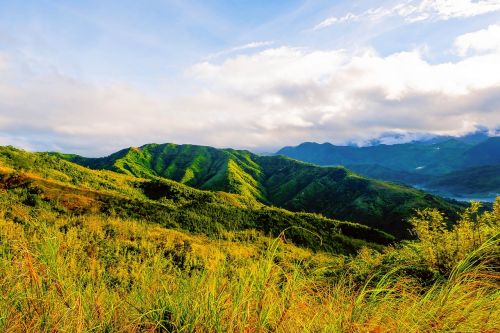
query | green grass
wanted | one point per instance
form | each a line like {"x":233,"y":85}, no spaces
{"x":334,"y":192}
{"x":98,"y":251}
{"x":47,"y":182}
{"x":94,"y":274}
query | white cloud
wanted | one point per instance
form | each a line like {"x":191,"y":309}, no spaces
{"x":446,"y":9}
{"x":334,"y":20}
{"x":337,"y":95}
{"x":252,"y":45}
{"x":248,"y":46}
{"x":480,"y":41}
{"x":263,"y":70}
{"x":368,"y":15}
{"x":266,"y":99}
{"x":414,"y":11}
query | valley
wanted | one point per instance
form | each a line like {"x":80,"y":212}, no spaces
{"x":129,"y":246}
{"x":334,"y":192}
{"x":450,"y":167}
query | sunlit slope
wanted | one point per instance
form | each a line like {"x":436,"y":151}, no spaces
{"x":47,"y":182}
{"x":198,"y":166}
{"x":333,"y":191}
{"x":62,"y":272}
{"x":338,"y":192}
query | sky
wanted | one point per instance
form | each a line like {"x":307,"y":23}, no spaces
{"x":91,"y":77}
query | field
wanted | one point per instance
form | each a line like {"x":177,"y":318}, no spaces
{"x":94,"y":273}
{"x":96,"y":251}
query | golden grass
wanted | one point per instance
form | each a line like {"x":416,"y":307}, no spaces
{"x":96,"y":274}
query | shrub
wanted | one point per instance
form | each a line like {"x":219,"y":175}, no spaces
{"x":443,"y":246}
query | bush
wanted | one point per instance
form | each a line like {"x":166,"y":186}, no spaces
{"x":444,"y":246}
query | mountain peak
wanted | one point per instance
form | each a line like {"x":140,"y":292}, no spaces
{"x":277,"y":180}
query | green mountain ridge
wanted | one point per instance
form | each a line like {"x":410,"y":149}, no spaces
{"x":44,"y":182}
{"x":422,"y":164}
{"x":276,"y":180}
{"x":96,"y":250}
{"x":476,"y":180}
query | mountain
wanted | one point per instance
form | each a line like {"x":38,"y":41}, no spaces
{"x":419,"y":158}
{"x":417,"y":163}
{"x":46,"y":182}
{"x":275,"y":180}
{"x":483,"y":180}
{"x":383,"y":173}
{"x":484,"y":153}
{"x":95,"y":250}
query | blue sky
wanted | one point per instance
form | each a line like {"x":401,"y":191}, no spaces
{"x":95,"y":76}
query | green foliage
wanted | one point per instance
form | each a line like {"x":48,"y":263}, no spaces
{"x":444,"y":246}
{"x":483,"y":180}
{"x":58,"y":185}
{"x":451,"y":167}
{"x":84,"y":250}
{"x":103,"y":274}
{"x":331,"y":191}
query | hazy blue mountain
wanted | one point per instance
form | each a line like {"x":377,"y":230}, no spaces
{"x":482,"y":180}
{"x":436,"y":158}
{"x":431,"y":164}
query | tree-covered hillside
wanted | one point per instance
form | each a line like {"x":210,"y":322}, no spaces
{"x":86,"y":250}
{"x":42,"y":181}
{"x":274,"y":180}
{"x":424,"y":164}
{"x":483,"y":180}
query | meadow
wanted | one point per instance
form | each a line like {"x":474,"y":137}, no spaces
{"x":96,"y":251}
{"x":95,"y":273}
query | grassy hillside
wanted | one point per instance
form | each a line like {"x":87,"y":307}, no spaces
{"x":333,"y":191}
{"x":97,"y":272}
{"x":197,"y":166}
{"x":41,"y":181}
{"x":336,"y":191}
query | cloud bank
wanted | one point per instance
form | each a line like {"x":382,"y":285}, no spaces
{"x":267,"y":99}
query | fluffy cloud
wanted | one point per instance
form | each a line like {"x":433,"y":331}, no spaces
{"x":480,"y":41}
{"x":54,"y":112}
{"x":338,"y":95}
{"x":413,"y":11}
{"x":265,"y":100}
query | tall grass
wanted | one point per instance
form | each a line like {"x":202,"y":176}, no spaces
{"x":95,"y":274}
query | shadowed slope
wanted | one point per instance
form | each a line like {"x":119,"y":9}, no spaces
{"x":333,"y":191}
{"x":45,"y":181}
{"x":442,"y":166}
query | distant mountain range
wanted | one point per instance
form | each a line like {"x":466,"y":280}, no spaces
{"x":456,"y":167}
{"x":335,"y":192}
